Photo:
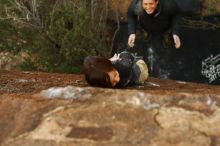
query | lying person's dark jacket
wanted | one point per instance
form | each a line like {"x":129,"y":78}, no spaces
{"x":124,"y":67}
{"x":131,"y":70}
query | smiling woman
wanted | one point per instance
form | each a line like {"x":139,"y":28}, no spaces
{"x":154,"y":27}
{"x":150,"y":6}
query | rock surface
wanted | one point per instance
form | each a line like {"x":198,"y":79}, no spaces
{"x":42,"y":109}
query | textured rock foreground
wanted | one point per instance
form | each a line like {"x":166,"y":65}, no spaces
{"x":40,"y":109}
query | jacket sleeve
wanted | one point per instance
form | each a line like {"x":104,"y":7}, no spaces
{"x":173,"y":12}
{"x":123,"y":63}
{"x":132,"y":17}
{"x":175,"y":24}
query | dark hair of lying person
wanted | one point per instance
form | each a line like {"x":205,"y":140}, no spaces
{"x":96,"y":71}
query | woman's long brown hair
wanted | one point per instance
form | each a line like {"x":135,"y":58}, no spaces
{"x":96,"y":71}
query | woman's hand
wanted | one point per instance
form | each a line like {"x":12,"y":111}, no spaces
{"x":131,"y":40}
{"x":177,"y":41}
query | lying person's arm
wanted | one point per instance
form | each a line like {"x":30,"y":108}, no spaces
{"x":123,"y":62}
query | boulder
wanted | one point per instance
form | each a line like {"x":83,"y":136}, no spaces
{"x":41,"y":109}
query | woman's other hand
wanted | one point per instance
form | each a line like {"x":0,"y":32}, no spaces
{"x":131,"y":40}
{"x":177,"y":41}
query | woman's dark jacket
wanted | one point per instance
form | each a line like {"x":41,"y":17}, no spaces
{"x":166,"y":16}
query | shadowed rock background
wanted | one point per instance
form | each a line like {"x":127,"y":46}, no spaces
{"x":209,"y":8}
{"x":198,"y":58}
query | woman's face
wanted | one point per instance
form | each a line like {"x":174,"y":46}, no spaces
{"x":114,"y":77}
{"x":150,"y":6}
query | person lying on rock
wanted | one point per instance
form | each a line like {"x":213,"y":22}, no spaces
{"x":120,"y":71}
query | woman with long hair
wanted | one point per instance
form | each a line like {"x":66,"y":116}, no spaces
{"x":120,"y":71}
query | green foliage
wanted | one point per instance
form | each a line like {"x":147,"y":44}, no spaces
{"x":69,"y":34}
{"x":10,"y":40}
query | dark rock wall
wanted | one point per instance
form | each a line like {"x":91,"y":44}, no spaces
{"x":198,"y":59}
